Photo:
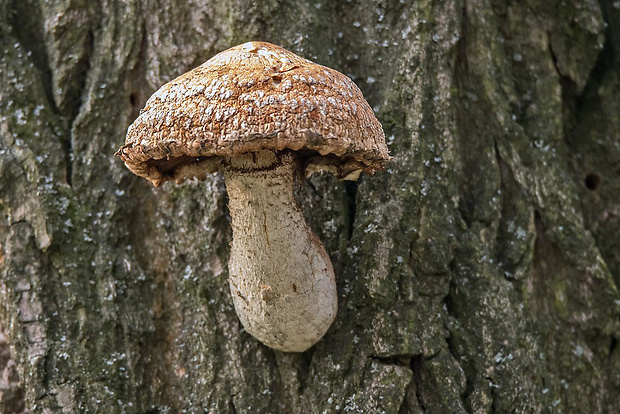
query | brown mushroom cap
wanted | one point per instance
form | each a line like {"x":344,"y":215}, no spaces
{"x":253,"y":97}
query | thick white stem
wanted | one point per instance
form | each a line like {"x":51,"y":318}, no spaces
{"x":281,"y":278}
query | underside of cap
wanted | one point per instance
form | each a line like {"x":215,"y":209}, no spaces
{"x":249,"y":98}
{"x":181,"y":167}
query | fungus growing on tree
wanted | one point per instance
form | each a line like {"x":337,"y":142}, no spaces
{"x":265,"y":117}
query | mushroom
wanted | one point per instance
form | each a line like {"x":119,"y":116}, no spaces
{"x":265,"y":117}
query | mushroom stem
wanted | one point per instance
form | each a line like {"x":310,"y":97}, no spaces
{"x":281,"y":278}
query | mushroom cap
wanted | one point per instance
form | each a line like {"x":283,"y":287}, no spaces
{"x":252,"y":97}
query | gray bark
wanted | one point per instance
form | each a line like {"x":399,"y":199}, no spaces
{"x":478,"y":273}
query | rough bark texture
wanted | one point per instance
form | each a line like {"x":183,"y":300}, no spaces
{"x":479,"y":273}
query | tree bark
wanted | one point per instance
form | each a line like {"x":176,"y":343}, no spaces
{"x":478,"y":273}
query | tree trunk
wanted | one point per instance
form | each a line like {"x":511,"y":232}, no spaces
{"x":478,"y":273}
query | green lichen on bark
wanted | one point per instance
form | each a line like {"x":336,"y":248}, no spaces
{"x":478,"y":273}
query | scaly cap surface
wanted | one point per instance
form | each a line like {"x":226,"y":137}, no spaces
{"x":248,"y":98}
